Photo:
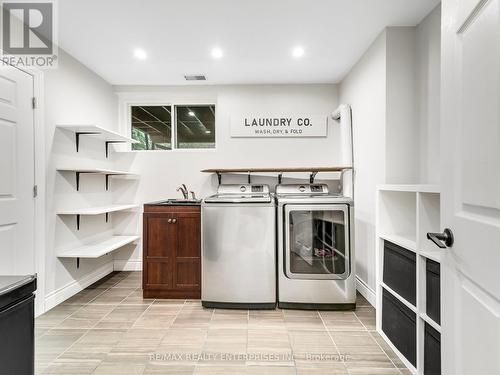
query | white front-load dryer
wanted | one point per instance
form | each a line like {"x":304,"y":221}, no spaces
{"x":315,"y":248}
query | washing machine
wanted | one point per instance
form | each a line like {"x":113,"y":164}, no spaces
{"x":315,"y":248}
{"x":239,"y":248}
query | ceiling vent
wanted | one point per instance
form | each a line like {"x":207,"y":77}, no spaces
{"x":195,"y":77}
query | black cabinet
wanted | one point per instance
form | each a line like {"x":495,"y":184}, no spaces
{"x":400,"y":325}
{"x":17,"y":325}
{"x":433,"y":290}
{"x":400,"y":271}
{"x":432,"y":351}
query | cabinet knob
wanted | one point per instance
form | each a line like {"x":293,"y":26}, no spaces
{"x":174,"y":221}
{"x":169,"y":220}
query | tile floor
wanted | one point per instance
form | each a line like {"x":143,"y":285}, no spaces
{"x":110,"y":329}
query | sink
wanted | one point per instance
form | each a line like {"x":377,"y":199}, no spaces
{"x":184,"y":202}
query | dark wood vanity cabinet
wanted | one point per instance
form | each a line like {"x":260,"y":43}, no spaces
{"x":172,"y":251}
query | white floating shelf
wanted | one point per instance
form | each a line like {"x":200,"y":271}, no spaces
{"x":419,"y":188}
{"x":97,"y":210}
{"x":97,"y":131}
{"x":99,"y":248}
{"x":97,"y":171}
{"x":108,"y":136}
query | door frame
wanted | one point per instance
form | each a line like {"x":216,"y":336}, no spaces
{"x":41,"y":183}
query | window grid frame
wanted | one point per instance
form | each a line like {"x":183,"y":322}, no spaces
{"x":173,"y":119}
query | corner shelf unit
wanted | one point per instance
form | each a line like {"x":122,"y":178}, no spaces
{"x":95,"y":249}
{"x":108,"y":136}
{"x":98,"y":248}
{"x":105,"y":172}
{"x":404,"y":215}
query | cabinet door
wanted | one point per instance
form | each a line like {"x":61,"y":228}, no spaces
{"x":160,"y":243}
{"x":187,"y":273}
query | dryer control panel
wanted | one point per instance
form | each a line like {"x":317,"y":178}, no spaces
{"x":298,"y":189}
{"x":243,"y":189}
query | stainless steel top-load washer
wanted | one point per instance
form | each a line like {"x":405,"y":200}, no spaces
{"x":239,"y":248}
{"x":315,"y":248}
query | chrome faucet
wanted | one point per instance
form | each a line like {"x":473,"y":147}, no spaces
{"x":193,"y":195}
{"x":183,"y":189}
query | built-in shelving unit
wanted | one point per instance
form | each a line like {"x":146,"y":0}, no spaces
{"x":108,"y":136}
{"x":105,"y":172}
{"x":95,"y":249}
{"x":405,"y":213}
{"x":312,"y":170}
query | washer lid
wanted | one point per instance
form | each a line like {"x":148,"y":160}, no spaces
{"x":244,"y":193}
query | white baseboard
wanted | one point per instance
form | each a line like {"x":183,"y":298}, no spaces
{"x":69,"y":290}
{"x":127,"y":265}
{"x":366,"y":291}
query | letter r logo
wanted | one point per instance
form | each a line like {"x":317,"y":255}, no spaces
{"x":27,"y":28}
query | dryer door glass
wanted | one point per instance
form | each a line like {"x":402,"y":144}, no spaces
{"x":317,"y":242}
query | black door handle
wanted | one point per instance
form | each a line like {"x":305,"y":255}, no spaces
{"x":439,"y":238}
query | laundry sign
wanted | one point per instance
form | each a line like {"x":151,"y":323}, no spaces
{"x":279,"y":126}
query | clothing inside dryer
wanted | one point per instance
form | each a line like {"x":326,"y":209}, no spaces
{"x":317,"y":242}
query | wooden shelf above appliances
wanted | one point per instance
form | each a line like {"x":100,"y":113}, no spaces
{"x":312,"y":170}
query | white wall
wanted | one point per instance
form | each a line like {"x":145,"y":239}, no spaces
{"x":428,"y":40}
{"x":364,"y":89}
{"x":394,"y":93}
{"x":74,"y":94}
{"x":163,"y":171}
{"x":402,"y":139}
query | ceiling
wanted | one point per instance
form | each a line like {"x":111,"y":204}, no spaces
{"x":256,"y":37}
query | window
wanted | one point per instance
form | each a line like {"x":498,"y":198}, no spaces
{"x":152,"y":127}
{"x":194,"y":127}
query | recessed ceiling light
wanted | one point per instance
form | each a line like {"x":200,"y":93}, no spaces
{"x":217,"y":53}
{"x":140,"y":54}
{"x":191,"y":113}
{"x":298,"y":51}
{"x":208,"y":132}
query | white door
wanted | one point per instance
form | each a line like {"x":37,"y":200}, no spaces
{"x":17,"y":206}
{"x":470,"y":140}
